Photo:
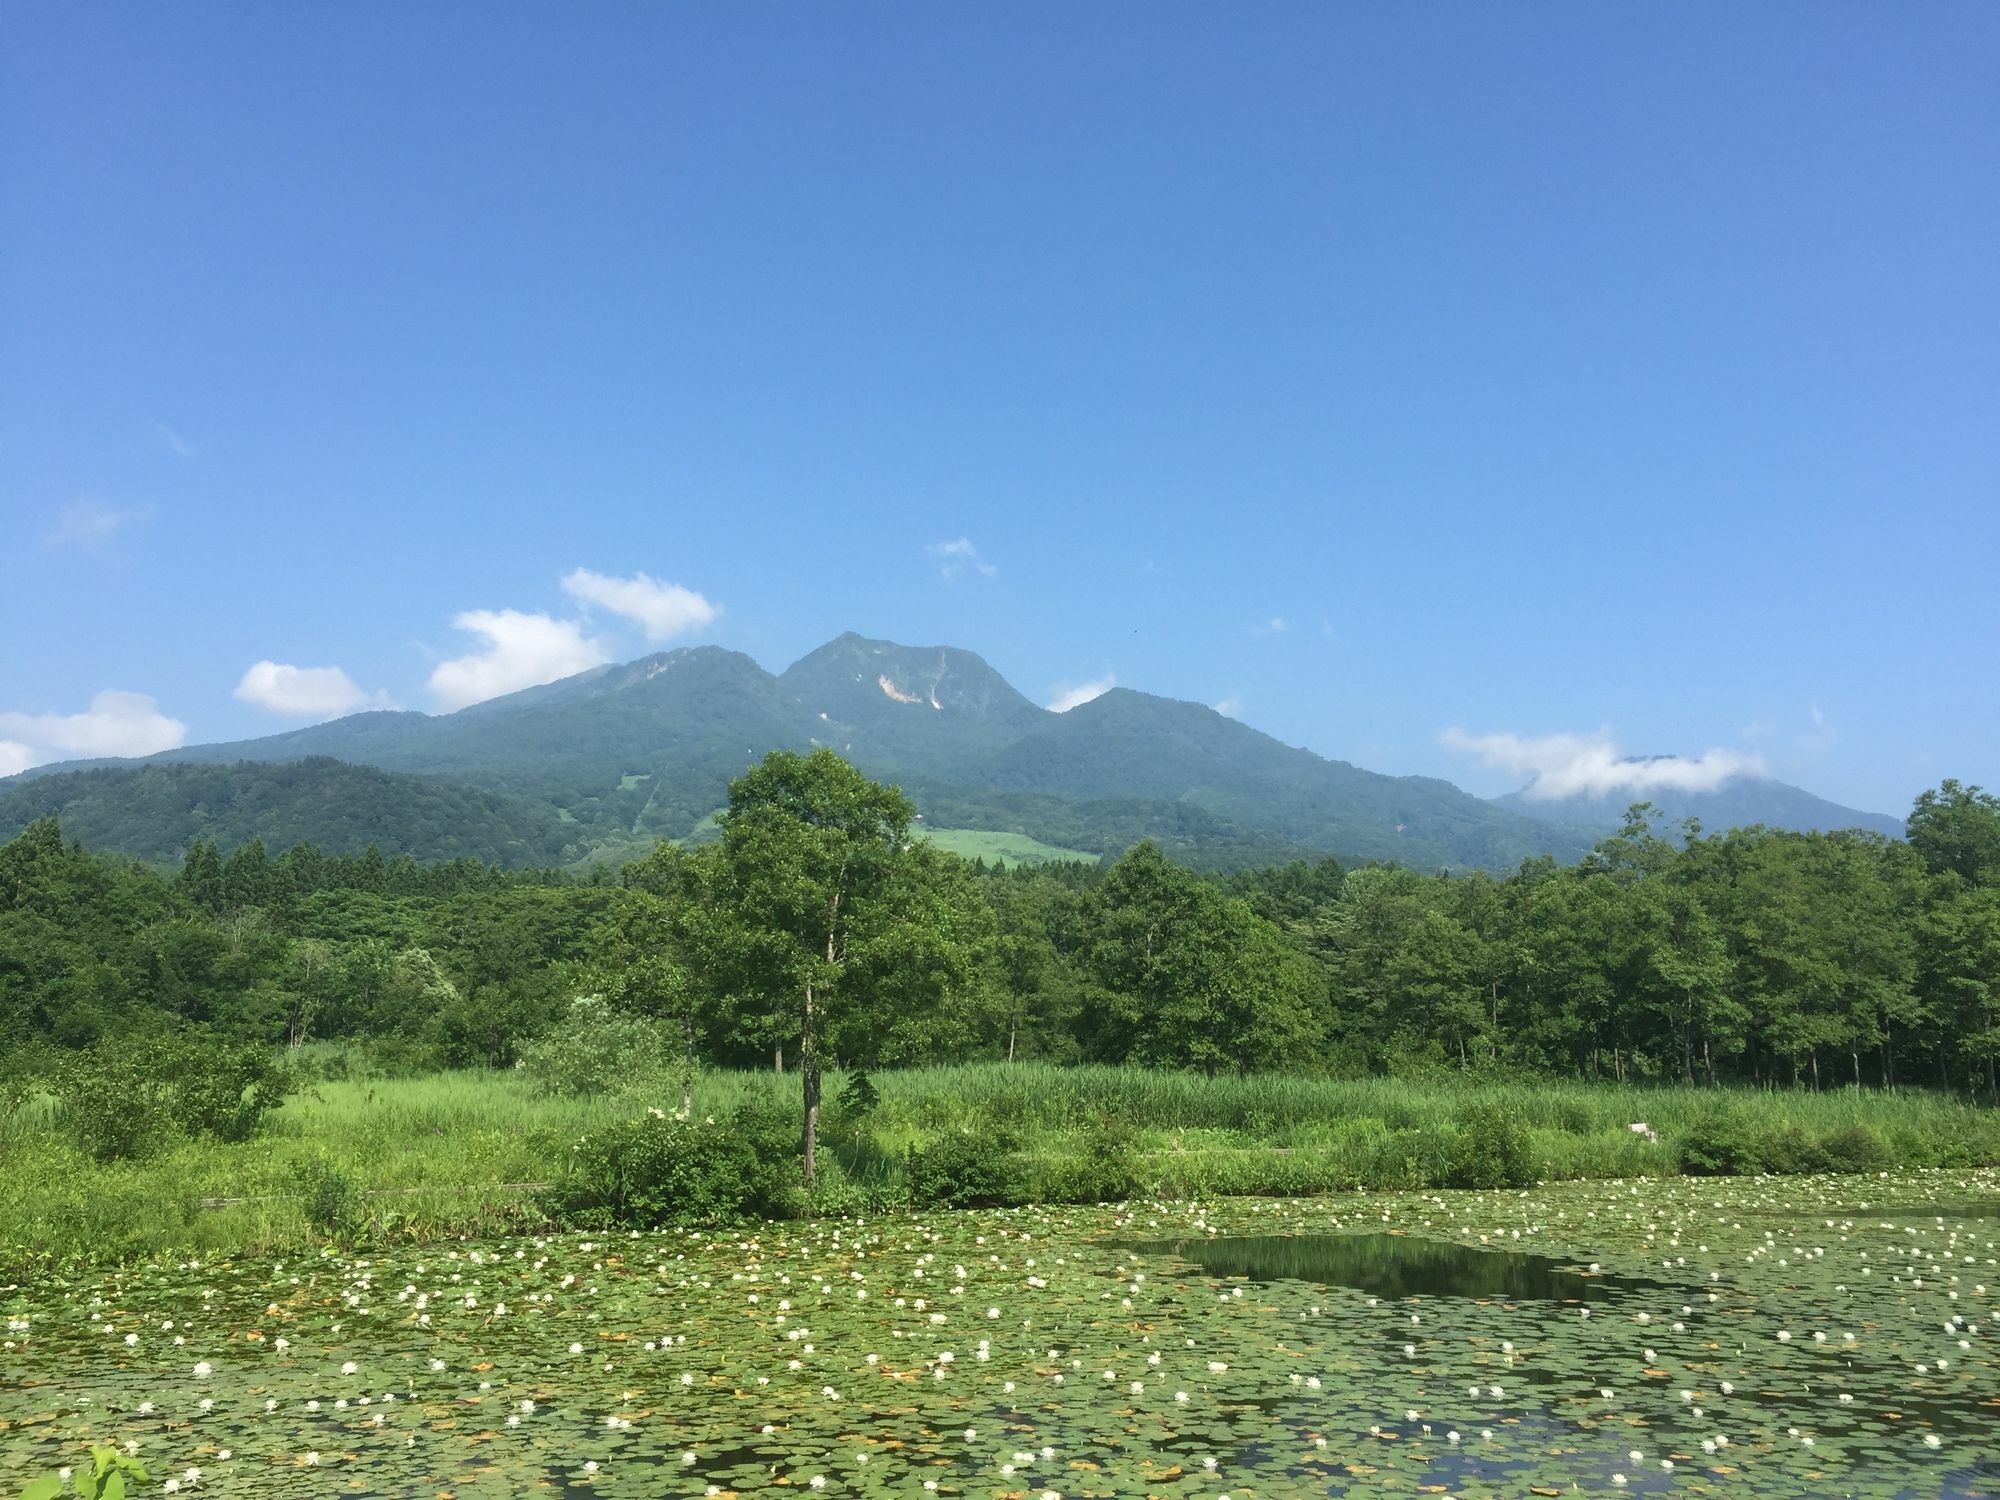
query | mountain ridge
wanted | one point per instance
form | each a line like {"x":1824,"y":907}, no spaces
{"x":635,"y":751}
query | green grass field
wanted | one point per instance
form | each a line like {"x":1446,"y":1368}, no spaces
{"x":458,"y":1153}
{"x":1002,"y":848}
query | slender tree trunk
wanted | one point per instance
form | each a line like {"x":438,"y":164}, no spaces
{"x":687,"y":1067}
{"x":778,"y":1057}
{"x":1815,"y":1063}
{"x":1013,"y":1026}
{"x":1708,"y":1061}
{"x":809,"y":1076}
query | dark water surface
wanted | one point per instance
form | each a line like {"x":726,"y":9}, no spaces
{"x":1398,"y":1265}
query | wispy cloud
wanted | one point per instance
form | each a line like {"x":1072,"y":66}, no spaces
{"x":954,"y":557}
{"x":1276,"y":625}
{"x":179,"y":446}
{"x":662,"y":610}
{"x":89,"y":525}
{"x":116,"y":723}
{"x":1066,"y":695}
{"x":305,"y":692}
{"x":521,"y":650}
{"x":1230,"y":708}
{"x":1592,"y":765}
{"x":1821,"y":736}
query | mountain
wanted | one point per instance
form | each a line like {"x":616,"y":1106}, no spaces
{"x":615,"y":758}
{"x":1132,"y":745}
{"x":906,"y":708}
{"x":644,"y":748}
{"x":1742,"y":802}
{"x":154,"y":812}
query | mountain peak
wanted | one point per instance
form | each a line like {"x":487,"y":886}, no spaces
{"x":853,"y":679}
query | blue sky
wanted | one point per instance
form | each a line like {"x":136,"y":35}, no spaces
{"x":1623,"y":374}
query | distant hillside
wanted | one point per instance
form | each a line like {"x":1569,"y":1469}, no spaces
{"x":154,"y":812}
{"x":1740,"y":803}
{"x":1130,"y":745}
{"x":646,"y":748}
{"x":621,"y":756}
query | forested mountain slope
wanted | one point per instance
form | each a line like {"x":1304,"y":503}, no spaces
{"x":620,"y":756}
{"x":155,"y":812}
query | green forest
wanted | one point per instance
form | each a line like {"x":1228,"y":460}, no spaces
{"x":1752,"y":956}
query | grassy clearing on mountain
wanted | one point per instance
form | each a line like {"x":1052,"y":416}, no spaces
{"x":1002,"y":848}
{"x":448,"y":1154}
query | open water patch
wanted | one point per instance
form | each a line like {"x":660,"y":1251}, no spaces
{"x":1397,"y":1265}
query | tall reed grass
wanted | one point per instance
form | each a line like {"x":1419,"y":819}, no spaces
{"x":458,"y":1153}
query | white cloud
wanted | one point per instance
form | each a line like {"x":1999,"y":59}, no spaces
{"x":1821,"y":737}
{"x":115,"y":724}
{"x":663,"y":610}
{"x":311,"y":692}
{"x":1276,"y":625}
{"x":88,"y":523}
{"x":178,"y":445}
{"x":521,"y":651}
{"x":1230,"y":708}
{"x":954,"y":557}
{"x":1064,"y":695}
{"x":1592,"y":765}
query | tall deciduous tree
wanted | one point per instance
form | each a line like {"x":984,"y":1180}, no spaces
{"x":1188,"y":977}
{"x":821,"y":901}
{"x":1957,"y":828}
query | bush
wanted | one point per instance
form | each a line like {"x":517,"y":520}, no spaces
{"x":327,"y":1197}
{"x":1105,"y":1171}
{"x":1789,"y":1151}
{"x":665,"y":1169}
{"x":1491,"y":1150}
{"x":859,"y":1096}
{"x":124,"y":1099}
{"x":1718,"y":1144}
{"x":596,"y":1050}
{"x":1853,"y":1148}
{"x":964,"y":1170}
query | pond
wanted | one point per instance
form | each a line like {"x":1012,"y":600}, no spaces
{"x":1256,"y":1349}
{"x":1398,"y":1265}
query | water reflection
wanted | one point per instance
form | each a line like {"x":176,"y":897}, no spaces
{"x":1397,"y":1265}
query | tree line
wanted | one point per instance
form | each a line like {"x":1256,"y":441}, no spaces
{"x":820,"y":929}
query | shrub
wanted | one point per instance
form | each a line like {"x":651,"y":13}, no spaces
{"x":1105,"y":1171}
{"x":1853,"y":1148}
{"x":1789,"y":1151}
{"x":964,"y":1170}
{"x":596,"y":1050}
{"x":1717,"y":1144}
{"x":124,"y":1099}
{"x":225,"y":1092}
{"x":1491,"y":1150}
{"x":858,"y":1096}
{"x":327,"y":1197}
{"x":666,"y":1169}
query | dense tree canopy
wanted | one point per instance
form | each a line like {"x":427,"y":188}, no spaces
{"x":816,"y":931}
